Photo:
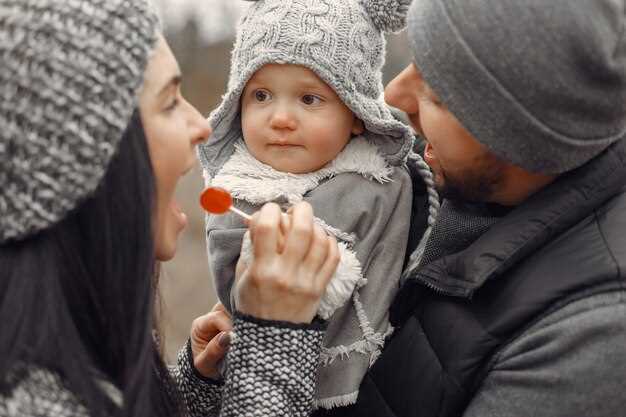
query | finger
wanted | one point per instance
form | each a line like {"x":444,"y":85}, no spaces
{"x":240,"y":268}
{"x":253,"y":221}
{"x":208,"y":326}
{"x":207,"y":360}
{"x":300,"y":234}
{"x":318,"y":250}
{"x":285,"y":225}
{"x":219,"y":307}
{"x":247,"y":222}
{"x":264,"y":231}
{"x":329,"y":267}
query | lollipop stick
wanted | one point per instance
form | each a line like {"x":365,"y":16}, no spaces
{"x":240,"y":213}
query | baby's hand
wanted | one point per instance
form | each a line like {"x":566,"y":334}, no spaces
{"x":210,"y":339}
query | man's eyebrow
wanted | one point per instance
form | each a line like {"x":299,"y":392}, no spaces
{"x":173,"y":82}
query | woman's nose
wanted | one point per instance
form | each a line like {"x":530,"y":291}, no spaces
{"x":200,"y":128}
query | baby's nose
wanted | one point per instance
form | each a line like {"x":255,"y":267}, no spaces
{"x":283,"y":118}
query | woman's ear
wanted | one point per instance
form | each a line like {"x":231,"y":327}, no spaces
{"x":357,"y":126}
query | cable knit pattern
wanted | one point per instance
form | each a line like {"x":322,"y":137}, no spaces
{"x":69,"y":75}
{"x":271,"y":369}
{"x":388,"y":15}
{"x":337,"y":40}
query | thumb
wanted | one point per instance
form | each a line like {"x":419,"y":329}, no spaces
{"x":206,"y":361}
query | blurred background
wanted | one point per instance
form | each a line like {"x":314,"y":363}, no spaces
{"x":201,"y":34}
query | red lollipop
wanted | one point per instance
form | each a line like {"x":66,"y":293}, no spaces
{"x":217,"y":200}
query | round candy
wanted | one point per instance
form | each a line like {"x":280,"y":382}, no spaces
{"x":216,"y":200}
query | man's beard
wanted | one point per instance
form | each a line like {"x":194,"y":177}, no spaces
{"x":476,"y":184}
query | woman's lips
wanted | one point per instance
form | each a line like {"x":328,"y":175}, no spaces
{"x":181,"y":217}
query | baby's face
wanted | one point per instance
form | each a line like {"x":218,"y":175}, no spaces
{"x":293,"y":121}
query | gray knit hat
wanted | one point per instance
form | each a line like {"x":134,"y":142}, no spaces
{"x":69,"y":76}
{"x":541,"y":83}
{"x":340,"y":40}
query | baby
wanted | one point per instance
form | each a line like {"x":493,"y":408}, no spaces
{"x":304,"y":119}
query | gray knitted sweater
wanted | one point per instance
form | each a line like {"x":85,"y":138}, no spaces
{"x":271,"y":372}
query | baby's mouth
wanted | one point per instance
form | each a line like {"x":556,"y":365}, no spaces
{"x":281,"y":142}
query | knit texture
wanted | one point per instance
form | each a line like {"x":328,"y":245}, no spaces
{"x":40,"y":393}
{"x":271,"y":369}
{"x":267,"y":376}
{"x":540,"y":83}
{"x":201,"y":395}
{"x":458,"y":226}
{"x":339,"y":40}
{"x":69,"y":75}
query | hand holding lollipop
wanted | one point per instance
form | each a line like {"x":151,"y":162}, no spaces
{"x":294,"y":260}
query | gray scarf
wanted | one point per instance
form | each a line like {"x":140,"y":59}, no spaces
{"x":458,"y":225}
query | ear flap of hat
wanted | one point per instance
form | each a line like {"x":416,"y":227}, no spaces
{"x":388,"y":15}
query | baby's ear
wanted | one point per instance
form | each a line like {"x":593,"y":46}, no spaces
{"x":357,"y":127}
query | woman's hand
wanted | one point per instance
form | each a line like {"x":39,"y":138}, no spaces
{"x":210,"y":339}
{"x":293,"y":263}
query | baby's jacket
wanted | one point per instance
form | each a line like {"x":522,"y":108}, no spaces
{"x":366,"y":204}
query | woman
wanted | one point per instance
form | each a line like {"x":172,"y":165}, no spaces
{"x":95,"y":136}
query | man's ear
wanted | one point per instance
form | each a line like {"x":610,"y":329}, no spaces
{"x":357,"y":126}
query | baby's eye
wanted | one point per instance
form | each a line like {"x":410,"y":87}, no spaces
{"x":262,"y":95}
{"x":311,"y":100}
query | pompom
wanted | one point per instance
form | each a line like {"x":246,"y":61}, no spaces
{"x":388,"y":15}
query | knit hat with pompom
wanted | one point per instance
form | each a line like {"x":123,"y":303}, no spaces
{"x":339,"y":40}
{"x":69,"y":76}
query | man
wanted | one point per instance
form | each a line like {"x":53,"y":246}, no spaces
{"x":515,"y":305}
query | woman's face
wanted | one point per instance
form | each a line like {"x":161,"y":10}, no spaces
{"x":173,"y":128}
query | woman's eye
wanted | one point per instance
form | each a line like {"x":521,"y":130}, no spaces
{"x":172,"y":105}
{"x":310,"y":99}
{"x":261,"y":95}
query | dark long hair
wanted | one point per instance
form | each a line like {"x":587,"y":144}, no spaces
{"x":78,"y":298}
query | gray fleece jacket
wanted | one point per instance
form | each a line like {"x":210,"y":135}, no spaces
{"x":365,"y":203}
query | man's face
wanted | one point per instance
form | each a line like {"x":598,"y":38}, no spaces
{"x":463,"y":168}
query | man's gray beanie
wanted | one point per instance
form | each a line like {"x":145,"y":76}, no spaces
{"x":542,"y":83}
{"x":340,"y":40}
{"x":70,"y":71}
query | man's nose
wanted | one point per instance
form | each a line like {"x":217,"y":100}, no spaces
{"x":401,"y":92}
